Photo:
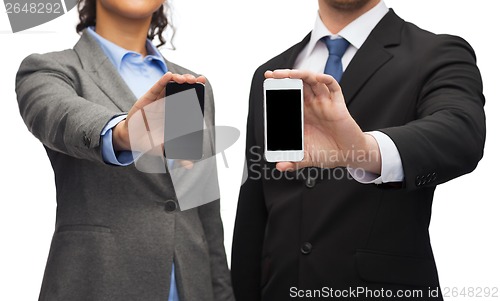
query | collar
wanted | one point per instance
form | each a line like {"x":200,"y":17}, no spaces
{"x":355,"y":32}
{"x":116,"y":53}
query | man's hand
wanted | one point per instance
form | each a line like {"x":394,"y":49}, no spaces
{"x":331,"y":136}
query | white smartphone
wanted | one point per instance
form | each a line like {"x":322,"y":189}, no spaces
{"x":283,"y":120}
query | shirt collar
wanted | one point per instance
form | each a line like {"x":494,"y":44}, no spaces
{"x":355,"y":32}
{"x":116,"y":54}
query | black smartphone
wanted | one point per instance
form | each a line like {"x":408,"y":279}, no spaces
{"x":184,"y":111}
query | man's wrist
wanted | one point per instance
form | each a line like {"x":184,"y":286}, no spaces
{"x":367,"y":157}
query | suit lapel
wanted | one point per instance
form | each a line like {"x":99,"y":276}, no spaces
{"x":103,"y":73}
{"x":173,"y":67}
{"x":361,"y":68}
{"x":287,"y":59}
{"x":372,"y":55}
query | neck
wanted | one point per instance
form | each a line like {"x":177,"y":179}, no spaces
{"x":335,"y":19}
{"x":130,"y":34}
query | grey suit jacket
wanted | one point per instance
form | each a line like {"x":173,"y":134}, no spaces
{"x":118,"y":230}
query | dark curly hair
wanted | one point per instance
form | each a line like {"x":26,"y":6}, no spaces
{"x":159,"y":21}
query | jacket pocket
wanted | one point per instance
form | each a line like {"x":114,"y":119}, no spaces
{"x":381,"y":267}
{"x":84,"y":264}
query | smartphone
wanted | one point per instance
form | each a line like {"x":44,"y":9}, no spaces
{"x":184,"y":124}
{"x":283,"y":120}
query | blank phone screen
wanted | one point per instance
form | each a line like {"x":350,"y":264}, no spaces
{"x":284,"y":120}
{"x":183,"y":131}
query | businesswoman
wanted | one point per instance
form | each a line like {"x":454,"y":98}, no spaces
{"x":119,"y":233}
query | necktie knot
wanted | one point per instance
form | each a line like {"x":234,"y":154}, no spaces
{"x":336,"y":47}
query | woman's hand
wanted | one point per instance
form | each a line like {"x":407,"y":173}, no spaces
{"x":122,"y":131}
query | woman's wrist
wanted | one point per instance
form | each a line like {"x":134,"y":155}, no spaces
{"x":121,"y":140}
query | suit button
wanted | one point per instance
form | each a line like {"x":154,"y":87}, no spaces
{"x":306,"y":248}
{"x":310,"y":182}
{"x":170,"y":206}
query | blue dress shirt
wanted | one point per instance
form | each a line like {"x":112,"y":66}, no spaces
{"x":140,"y":74}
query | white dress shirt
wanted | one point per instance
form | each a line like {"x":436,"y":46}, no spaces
{"x":313,"y":58}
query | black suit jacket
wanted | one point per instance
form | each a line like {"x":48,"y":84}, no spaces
{"x":320,"y":228}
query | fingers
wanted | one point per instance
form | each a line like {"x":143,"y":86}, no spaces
{"x":188,"y":78}
{"x":319,"y":83}
{"x":187,"y":164}
{"x":330,"y":82}
{"x":157,"y":91}
{"x":310,"y":80}
{"x":288,"y":73}
{"x":157,"y":88}
{"x":201,"y":79}
{"x":278,"y":74}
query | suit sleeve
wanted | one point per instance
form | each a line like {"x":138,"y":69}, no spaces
{"x":251,"y":215}
{"x":447,"y":138}
{"x":212,"y":225}
{"x":55,"y":113}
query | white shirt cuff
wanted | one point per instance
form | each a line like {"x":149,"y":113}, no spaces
{"x":392,"y":167}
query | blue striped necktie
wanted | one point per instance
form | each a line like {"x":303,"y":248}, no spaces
{"x":336,"y":49}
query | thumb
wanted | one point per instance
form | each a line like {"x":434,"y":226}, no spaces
{"x":291,"y":166}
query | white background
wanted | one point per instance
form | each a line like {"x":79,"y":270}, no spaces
{"x":226,"y":41}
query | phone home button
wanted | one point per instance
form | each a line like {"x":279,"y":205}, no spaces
{"x":310,"y":182}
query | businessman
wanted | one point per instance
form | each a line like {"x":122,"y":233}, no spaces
{"x":351,"y":220}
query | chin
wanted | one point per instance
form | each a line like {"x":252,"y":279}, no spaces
{"x":348,"y":5}
{"x":133,"y":9}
